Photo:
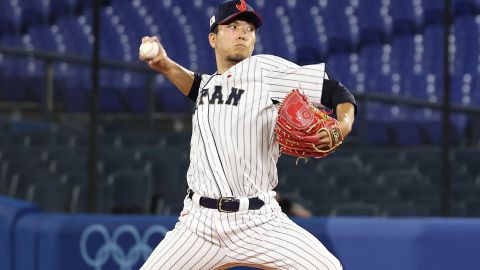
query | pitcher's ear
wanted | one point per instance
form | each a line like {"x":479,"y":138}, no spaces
{"x":212,"y":39}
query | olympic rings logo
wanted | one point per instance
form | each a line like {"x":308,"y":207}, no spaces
{"x":125,"y":258}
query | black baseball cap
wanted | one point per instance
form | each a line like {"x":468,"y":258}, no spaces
{"x":230,"y":10}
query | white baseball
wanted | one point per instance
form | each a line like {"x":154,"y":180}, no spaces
{"x":148,"y":50}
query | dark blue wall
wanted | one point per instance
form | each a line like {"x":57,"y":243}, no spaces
{"x":33,"y":240}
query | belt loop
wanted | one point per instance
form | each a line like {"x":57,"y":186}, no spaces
{"x":244,"y":204}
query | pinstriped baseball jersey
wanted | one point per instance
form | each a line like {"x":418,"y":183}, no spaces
{"x":233,"y":149}
{"x":234,"y":153}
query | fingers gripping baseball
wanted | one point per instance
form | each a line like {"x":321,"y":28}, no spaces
{"x":152,"y":52}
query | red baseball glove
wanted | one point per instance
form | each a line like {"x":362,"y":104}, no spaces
{"x":298,"y":124}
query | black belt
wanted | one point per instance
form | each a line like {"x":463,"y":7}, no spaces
{"x":227,"y":204}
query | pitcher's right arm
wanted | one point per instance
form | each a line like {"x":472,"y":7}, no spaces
{"x":181,"y":77}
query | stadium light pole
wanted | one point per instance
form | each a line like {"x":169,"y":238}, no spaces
{"x":445,"y":190}
{"x":93,"y":127}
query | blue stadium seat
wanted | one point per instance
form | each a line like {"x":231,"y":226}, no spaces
{"x":340,"y":67}
{"x":466,"y":37}
{"x":472,"y":208}
{"x":303,"y":15}
{"x":130,"y":191}
{"x":404,"y":18}
{"x":76,"y":100}
{"x":10,"y":19}
{"x":75,"y":39}
{"x":407,"y":133}
{"x":341,"y":35}
{"x":112,"y":165}
{"x":275,"y":42}
{"x":371,"y":63}
{"x":61,"y":8}
{"x":371,"y":22}
{"x":134,"y":139}
{"x":82,"y":5}
{"x":421,"y":194}
{"x":336,"y":164}
{"x":382,"y":166}
{"x":14,"y":85}
{"x":462,"y":7}
{"x":172,"y":100}
{"x":51,"y":196}
{"x":344,"y":179}
{"x":170,"y":28}
{"x":22,"y":182}
{"x":370,"y":193}
{"x":398,"y":209}
{"x":355,"y":209}
{"x":462,"y":88}
{"x":379,"y":133}
{"x":79,"y":199}
{"x":433,"y":11}
{"x":401,"y":178}
{"x":33,"y":12}
{"x":403,"y":51}
{"x":169,"y":178}
{"x":433,"y":49}
{"x":42,"y":38}
{"x":433,"y":132}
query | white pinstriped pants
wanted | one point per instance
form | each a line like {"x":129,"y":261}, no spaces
{"x":266,"y":238}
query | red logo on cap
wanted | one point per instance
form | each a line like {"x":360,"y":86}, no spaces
{"x":242,"y":6}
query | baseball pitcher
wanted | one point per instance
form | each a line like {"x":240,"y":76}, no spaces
{"x":252,"y":109}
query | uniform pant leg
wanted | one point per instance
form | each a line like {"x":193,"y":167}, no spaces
{"x":279,"y":243}
{"x":183,"y":249}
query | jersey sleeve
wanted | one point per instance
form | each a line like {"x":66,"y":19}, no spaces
{"x":335,"y":93}
{"x":193,"y":94}
{"x":308,"y":79}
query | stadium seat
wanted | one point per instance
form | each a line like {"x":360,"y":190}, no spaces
{"x":33,"y":12}
{"x":433,"y":132}
{"x":407,"y":133}
{"x":79,"y":199}
{"x":466,"y":42}
{"x":130,"y":191}
{"x":10,"y":19}
{"x":379,"y":133}
{"x":425,"y":196}
{"x":340,"y":67}
{"x":406,"y":210}
{"x":111,"y":166}
{"x":134,"y":139}
{"x":355,"y":209}
{"x":472,"y":208}
{"x":341,"y":35}
{"x":371,"y":22}
{"x":432,"y":59}
{"x":61,"y":8}
{"x":401,"y":178}
{"x":344,"y":179}
{"x":171,"y":100}
{"x":382,"y":166}
{"x":169,"y":179}
{"x":462,"y":7}
{"x":22,"y":182}
{"x":370,"y":193}
{"x":51,"y":196}
{"x":433,"y":11}
{"x":404,"y":17}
